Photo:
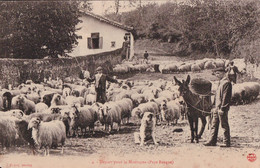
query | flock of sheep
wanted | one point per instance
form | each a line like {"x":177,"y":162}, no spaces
{"x":176,"y":66}
{"x":44,"y":115}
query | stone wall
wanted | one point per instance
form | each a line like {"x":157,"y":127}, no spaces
{"x":16,"y":71}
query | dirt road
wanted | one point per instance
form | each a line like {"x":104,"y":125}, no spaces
{"x":174,"y":149}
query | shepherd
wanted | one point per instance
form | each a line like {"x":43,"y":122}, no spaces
{"x":100,"y":84}
{"x":232,"y":72}
{"x":146,"y":55}
{"x":220,"y":114}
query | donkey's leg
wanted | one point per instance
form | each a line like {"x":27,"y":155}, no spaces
{"x":204,"y":122}
{"x":196,"y":121}
{"x":191,"y":128}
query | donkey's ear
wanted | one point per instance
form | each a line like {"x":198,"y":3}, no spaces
{"x":177,"y":81}
{"x":188,"y":80}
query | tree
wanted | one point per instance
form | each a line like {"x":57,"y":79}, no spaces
{"x":38,"y":29}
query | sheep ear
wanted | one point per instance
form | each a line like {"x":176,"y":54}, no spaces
{"x":141,"y":115}
{"x":22,"y":114}
{"x":177,"y":81}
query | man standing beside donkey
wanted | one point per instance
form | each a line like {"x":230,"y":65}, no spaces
{"x":220,"y":114}
{"x":100,"y":84}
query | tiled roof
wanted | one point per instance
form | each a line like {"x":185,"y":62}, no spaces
{"x":103,"y":19}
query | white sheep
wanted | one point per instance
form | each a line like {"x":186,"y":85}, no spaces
{"x":109,"y":113}
{"x":72,"y":100}
{"x":184,"y":68}
{"x":8,"y":132}
{"x":137,"y":99}
{"x":144,"y":107}
{"x":167,"y":94}
{"x":126,"y":106}
{"x":15,"y":102}
{"x":46,"y":134}
{"x":171,"y":111}
{"x":83,"y":117}
{"x":57,"y":100}
{"x":66,"y":92}
{"x":35,"y":97}
{"x":210,"y":65}
{"x":14,"y":113}
{"x":26,"y":105}
{"x":41,"y":107}
{"x":90,"y":99}
{"x":195,"y":68}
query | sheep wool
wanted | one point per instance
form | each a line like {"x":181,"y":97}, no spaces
{"x":8,"y":132}
{"x":46,"y":134}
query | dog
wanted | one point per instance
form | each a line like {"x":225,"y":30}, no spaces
{"x":146,"y":130}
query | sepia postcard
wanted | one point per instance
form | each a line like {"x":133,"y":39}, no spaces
{"x":130,"y":84}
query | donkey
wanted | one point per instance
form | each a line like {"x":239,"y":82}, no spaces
{"x":194,"y":108}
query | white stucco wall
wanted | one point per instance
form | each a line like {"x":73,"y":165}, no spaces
{"x":108,"y":32}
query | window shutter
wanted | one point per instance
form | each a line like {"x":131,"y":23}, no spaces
{"x":100,"y":42}
{"x":89,"y":43}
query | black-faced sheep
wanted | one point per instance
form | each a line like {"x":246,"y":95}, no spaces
{"x":46,"y":97}
{"x":25,"y":133}
{"x":7,"y":100}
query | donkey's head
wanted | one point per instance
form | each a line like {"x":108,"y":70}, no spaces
{"x":183,"y":86}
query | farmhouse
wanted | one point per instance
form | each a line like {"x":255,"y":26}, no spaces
{"x":100,"y":35}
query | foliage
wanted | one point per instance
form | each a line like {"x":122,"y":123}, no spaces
{"x":38,"y":29}
{"x":207,"y":26}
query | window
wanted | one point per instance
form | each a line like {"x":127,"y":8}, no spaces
{"x":95,"y":41}
{"x":113,"y":44}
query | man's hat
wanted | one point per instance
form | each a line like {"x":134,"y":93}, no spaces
{"x":99,"y":69}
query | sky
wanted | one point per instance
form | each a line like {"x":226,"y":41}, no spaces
{"x":108,"y":6}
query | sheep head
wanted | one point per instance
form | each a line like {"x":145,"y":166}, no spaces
{"x":163,"y":108}
{"x":137,"y":112}
{"x":17,"y":113}
{"x":56,"y":110}
{"x":148,"y":116}
{"x":34,"y":123}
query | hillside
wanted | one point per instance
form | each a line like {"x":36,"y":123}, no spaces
{"x":154,"y":47}
{"x":210,"y":28}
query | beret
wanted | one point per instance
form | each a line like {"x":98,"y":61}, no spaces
{"x":99,"y":69}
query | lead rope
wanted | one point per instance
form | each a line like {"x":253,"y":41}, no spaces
{"x":203,"y":111}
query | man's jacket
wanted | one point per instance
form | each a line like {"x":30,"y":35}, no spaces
{"x":100,"y":83}
{"x":223,"y":95}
